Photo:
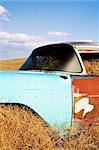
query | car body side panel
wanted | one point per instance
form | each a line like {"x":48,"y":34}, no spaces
{"x":49,"y":95}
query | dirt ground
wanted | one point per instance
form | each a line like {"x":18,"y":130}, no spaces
{"x":20,"y":129}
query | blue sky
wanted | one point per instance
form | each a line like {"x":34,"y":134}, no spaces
{"x":27,"y":24}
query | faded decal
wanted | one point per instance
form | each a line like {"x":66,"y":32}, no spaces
{"x":83,"y":103}
{"x":86,"y":100}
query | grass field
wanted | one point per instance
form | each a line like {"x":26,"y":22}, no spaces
{"x":12,"y":64}
{"x":21,"y":130}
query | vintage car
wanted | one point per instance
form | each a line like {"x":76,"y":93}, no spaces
{"x":53,"y":82}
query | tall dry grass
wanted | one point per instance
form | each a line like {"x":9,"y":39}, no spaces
{"x":12,"y":64}
{"x":20,"y":129}
{"x":92,"y":67}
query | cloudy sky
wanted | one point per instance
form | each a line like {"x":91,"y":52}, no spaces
{"x":28,"y":24}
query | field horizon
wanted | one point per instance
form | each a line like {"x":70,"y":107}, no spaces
{"x":11,"y":64}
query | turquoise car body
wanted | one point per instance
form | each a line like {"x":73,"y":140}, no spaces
{"x":48,"y":94}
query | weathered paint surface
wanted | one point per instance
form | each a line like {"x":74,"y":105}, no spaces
{"x":90,"y":51}
{"x":49,"y":95}
{"x":86,"y":100}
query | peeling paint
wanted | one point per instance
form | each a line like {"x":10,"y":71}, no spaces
{"x":83,"y":103}
{"x":86,"y":99}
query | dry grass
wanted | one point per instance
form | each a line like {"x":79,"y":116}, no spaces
{"x":21,"y":130}
{"x":12,"y":64}
{"x":92,"y":67}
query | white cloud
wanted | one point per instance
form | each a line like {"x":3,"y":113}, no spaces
{"x":21,"y":39}
{"x":57,"y":33}
{"x":13,"y":45}
{"x":4,"y":14}
{"x":87,"y":40}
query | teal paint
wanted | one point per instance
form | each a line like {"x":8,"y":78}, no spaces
{"x":47,"y":94}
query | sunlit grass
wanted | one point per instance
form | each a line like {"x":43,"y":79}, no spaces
{"x":21,"y":129}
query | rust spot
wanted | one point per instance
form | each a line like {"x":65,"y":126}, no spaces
{"x":87,"y":85}
{"x":86,"y":95}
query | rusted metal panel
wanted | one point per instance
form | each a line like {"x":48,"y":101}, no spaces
{"x":86,"y":47}
{"x":86,"y":100}
{"x":88,"y":51}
